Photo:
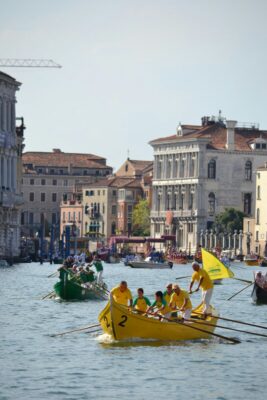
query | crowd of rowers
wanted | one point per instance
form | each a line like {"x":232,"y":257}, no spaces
{"x":167,"y":304}
{"x":82,"y":273}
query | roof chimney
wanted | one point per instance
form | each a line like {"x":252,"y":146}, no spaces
{"x":179,"y":130}
{"x":56,"y":151}
{"x":230,"y":141}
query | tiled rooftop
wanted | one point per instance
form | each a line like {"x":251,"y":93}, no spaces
{"x":58,"y":158}
{"x":217,"y":135}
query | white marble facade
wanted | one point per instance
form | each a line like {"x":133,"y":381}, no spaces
{"x":193,"y":182}
{"x":10,"y":196}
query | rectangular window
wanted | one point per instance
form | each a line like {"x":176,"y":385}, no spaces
{"x":54,"y":218}
{"x":114,"y":210}
{"x":42,"y":182}
{"x":31,"y":181}
{"x":54,"y":182}
{"x":103,"y":192}
{"x":31,"y":196}
{"x":79,"y":216}
{"x":65,"y":183}
{"x":98,"y":192}
{"x":114,"y":193}
{"x":263,"y":146}
{"x":69,"y":216}
{"x":40,"y":171}
{"x":52,"y":171}
{"x":31,"y":218}
{"x":54,"y":197}
{"x":64,"y":216}
{"x":257,"y":236}
{"x":74,"y":215}
{"x":42,"y":197}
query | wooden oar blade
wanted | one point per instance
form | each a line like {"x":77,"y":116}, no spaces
{"x":230,"y":298}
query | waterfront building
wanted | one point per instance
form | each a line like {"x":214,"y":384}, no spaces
{"x":11,"y":145}
{"x":48,"y":178}
{"x":261,"y":211}
{"x":199,"y":171}
{"x":71,"y":213}
{"x":108,"y":204}
{"x":255,"y":229}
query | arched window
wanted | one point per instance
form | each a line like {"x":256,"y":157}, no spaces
{"x":212,"y":169}
{"x":258,"y":216}
{"x":259,"y":192}
{"x":211,"y":207}
{"x":248,"y":171}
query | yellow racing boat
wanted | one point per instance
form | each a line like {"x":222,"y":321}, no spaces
{"x":122,"y":323}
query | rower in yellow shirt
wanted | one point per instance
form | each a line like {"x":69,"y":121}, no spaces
{"x":180,"y":300}
{"x":205,"y":283}
{"x":167,"y":297}
{"x":122,"y":295}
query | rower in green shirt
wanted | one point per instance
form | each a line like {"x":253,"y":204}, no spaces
{"x":97,"y":263}
{"x":141,"y":303}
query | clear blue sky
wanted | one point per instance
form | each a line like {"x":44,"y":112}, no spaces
{"x":132,"y":69}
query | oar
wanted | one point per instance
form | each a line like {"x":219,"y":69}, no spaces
{"x":75,"y":330}
{"x":227,"y":327}
{"x":49,"y":294}
{"x":242,"y":280}
{"x":251,"y":283}
{"x":236,"y":321}
{"x":183,"y":277}
{"x":54,"y":273}
{"x":201,"y":330}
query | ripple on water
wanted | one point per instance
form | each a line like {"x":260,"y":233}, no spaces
{"x":80,"y":366}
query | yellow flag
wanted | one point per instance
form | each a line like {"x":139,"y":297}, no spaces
{"x":214,"y":267}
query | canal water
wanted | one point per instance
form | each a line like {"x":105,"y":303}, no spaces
{"x":85,"y":366}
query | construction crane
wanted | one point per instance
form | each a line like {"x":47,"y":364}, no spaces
{"x":28,"y":62}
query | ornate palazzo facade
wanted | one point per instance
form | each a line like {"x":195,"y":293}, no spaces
{"x":10,"y":154}
{"x":198,"y":173}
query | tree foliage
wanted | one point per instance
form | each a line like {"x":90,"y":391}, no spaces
{"x":141,"y":218}
{"x":229,"y":220}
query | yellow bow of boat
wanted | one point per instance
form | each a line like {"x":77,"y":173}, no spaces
{"x":122,"y":323}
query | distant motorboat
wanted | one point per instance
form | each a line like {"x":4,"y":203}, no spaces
{"x":251,"y":260}
{"x":149,"y":264}
{"x":4,"y":264}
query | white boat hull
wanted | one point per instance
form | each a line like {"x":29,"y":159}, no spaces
{"x":150,"y":265}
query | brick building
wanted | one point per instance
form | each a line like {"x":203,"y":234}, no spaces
{"x":48,"y":177}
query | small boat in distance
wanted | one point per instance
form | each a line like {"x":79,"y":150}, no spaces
{"x":4,"y":264}
{"x":251,"y":260}
{"x":150,"y":264}
{"x":263,"y":262}
{"x":259,"y":294}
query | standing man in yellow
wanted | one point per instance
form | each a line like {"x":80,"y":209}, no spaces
{"x":167,"y":297}
{"x":205,"y":283}
{"x":122,"y":295}
{"x":180,"y":300}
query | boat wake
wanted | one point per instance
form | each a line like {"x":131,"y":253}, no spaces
{"x":105,"y":339}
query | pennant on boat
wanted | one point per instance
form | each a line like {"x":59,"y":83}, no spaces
{"x":214,"y":267}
